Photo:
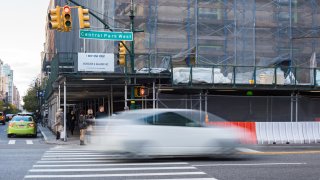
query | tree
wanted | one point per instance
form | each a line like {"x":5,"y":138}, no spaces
{"x":30,"y":100}
{"x":12,"y":109}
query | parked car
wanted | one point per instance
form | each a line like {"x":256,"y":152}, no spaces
{"x":9,"y":117}
{"x":165,"y":132}
{"x":2,"y":118}
{"x":22,"y":125}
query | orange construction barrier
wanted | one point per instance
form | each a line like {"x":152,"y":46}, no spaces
{"x":248,"y":134}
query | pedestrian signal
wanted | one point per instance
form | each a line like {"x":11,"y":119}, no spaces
{"x":140,"y":91}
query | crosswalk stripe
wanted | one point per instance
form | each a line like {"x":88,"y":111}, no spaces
{"x":183,"y":179}
{"x":79,"y":155}
{"x":82,"y":158}
{"x":114,"y":175}
{"x":98,"y":164}
{"x":73,"y":151}
{"x":12,"y":142}
{"x":88,"y":161}
{"x":114,"y":164}
{"x":29,"y":141}
{"x":112,"y":169}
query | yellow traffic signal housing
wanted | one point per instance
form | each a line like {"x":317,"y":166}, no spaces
{"x":121,"y":54}
{"x":54,"y":17}
{"x":140,"y":91}
{"x":67,"y":18}
{"x":83,"y":18}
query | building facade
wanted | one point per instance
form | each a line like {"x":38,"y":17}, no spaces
{"x":242,"y":60}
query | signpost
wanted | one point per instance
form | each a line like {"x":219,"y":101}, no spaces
{"x":102,"y":35}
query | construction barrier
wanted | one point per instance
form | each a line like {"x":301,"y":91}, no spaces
{"x":276,"y":132}
{"x":288,"y":132}
{"x":248,"y":133}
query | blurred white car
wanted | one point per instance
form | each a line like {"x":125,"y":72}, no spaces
{"x":165,"y":132}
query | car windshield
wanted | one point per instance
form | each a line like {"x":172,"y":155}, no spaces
{"x":22,"y":118}
{"x":191,"y":118}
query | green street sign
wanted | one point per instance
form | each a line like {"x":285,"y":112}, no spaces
{"x":102,"y":35}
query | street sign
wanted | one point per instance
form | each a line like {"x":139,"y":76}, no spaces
{"x":102,"y":35}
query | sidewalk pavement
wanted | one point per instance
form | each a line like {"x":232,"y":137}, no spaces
{"x":50,"y":138}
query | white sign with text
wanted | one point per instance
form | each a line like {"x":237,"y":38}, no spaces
{"x":96,"y":62}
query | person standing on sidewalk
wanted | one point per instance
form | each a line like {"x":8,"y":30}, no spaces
{"x":59,"y":123}
{"x":82,"y":126}
{"x":71,"y":121}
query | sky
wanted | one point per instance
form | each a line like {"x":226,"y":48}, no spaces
{"x":22,"y":36}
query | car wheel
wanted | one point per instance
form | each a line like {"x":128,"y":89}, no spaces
{"x":35,"y":135}
{"x":9,"y":135}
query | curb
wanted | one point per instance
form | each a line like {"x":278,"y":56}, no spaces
{"x":43,"y":134}
{"x":54,"y":141}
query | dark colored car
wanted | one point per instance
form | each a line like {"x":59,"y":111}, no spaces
{"x":9,"y":117}
{"x":2,"y":118}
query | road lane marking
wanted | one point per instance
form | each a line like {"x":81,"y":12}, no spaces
{"x":114,"y":164}
{"x":250,"y":164}
{"x":112,"y":169}
{"x":247,"y":150}
{"x":29,"y":141}
{"x":12,"y":142}
{"x":115,"y":175}
{"x":281,"y":152}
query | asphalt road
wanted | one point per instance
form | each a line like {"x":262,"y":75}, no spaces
{"x":18,"y":154}
{"x":22,"y":160}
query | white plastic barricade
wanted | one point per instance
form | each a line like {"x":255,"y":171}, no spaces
{"x":288,"y":132}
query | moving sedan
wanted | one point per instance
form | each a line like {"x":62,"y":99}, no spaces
{"x":22,"y":125}
{"x":165,"y":132}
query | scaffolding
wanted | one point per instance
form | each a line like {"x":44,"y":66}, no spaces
{"x":227,"y":32}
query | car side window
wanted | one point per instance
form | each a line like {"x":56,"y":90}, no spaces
{"x":169,"y":119}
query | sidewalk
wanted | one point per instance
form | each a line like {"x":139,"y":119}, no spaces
{"x":50,"y":138}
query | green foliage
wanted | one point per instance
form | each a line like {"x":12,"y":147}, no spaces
{"x":30,"y":100}
{"x":12,"y":109}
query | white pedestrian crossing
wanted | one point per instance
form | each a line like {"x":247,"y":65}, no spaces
{"x":15,"y":142}
{"x":85,"y":164}
{"x":12,"y":142}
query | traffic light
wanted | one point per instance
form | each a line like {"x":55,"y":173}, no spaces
{"x":83,"y":18}
{"x":54,"y":18}
{"x":67,"y":19}
{"x":121,"y":53}
{"x":140,"y":91}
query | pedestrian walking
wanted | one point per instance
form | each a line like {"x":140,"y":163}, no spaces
{"x":90,"y":123}
{"x":101,"y":113}
{"x":59,"y":123}
{"x":82,"y":126}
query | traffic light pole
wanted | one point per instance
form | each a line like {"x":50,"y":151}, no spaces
{"x":131,"y":51}
{"x":132,"y":105}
